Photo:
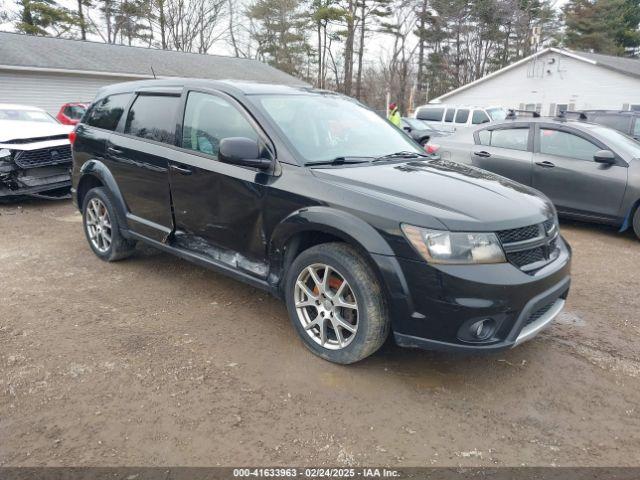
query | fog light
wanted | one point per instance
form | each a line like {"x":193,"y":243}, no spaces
{"x":482,"y":329}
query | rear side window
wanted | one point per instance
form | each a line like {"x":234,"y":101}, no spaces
{"x":448,"y":117}
{"x":564,"y":144}
{"x":479,"y":117}
{"x":430,"y":114}
{"x":153,"y":117}
{"x":462,"y":115}
{"x":106,"y":113}
{"x":636,"y":128}
{"x":208,"y":119}
{"x":74,"y":111}
{"x":511,"y":138}
{"x":618,"y":122}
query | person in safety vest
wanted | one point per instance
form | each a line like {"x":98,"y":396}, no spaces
{"x":394,"y":115}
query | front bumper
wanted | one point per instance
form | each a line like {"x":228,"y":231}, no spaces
{"x":443,"y":301}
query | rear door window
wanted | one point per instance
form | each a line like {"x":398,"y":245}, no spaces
{"x":153,"y":117}
{"x":565,"y":144}
{"x":462,"y":115}
{"x":511,"y":138}
{"x":431,"y":114}
{"x":106,"y":113}
{"x":448,"y":117}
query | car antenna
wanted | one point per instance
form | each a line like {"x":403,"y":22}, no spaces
{"x":154,"y":73}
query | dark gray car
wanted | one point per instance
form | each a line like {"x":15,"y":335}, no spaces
{"x":589,"y":171}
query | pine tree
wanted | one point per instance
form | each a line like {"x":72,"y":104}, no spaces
{"x":44,"y":17}
{"x":281,"y":35}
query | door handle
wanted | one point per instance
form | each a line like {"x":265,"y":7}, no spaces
{"x":181,"y":170}
{"x":546,"y":164}
{"x":482,"y":154}
{"x":115,"y":151}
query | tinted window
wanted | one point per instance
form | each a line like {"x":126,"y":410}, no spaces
{"x":479,"y":117}
{"x":153,"y":117}
{"x":555,"y":142}
{"x":431,"y":114}
{"x":208,"y":119}
{"x":448,"y":117}
{"x":512,"y":138}
{"x":462,"y":116}
{"x":636,"y":129}
{"x":107,"y":112}
{"x":619,"y":122}
{"x":74,"y":111}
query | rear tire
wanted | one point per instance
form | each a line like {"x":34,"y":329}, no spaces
{"x":636,"y":222}
{"x":101,"y":227}
{"x":341,"y":315}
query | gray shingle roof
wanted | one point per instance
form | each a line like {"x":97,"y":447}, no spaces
{"x":629,"y":66}
{"x":45,"y":52}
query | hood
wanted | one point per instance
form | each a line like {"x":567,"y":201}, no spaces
{"x":19,"y":130}
{"x":458,"y":196}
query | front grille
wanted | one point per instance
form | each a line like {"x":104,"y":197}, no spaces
{"x":43,"y":156}
{"x":527,"y":257}
{"x":532,"y":247}
{"x":519,"y":234}
{"x":535,"y":316}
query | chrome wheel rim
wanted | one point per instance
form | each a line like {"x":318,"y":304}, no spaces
{"x":98,"y":225}
{"x":326,"y":306}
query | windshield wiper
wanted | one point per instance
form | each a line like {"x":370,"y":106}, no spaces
{"x":402,"y":154}
{"x":339,"y":161}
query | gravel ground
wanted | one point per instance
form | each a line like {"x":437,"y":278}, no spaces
{"x":154,"y":361}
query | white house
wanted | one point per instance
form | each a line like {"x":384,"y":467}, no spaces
{"x":555,"y":79}
{"x":49,"y":72}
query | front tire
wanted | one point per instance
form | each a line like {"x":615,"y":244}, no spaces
{"x":336,"y":304}
{"x":101,"y":227}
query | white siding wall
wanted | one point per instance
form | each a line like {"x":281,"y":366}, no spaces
{"x":569,"y":82}
{"x":50,"y":90}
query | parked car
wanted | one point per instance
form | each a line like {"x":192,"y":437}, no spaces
{"x":439,"y":114}
{"x":71,"y":113}
{"x":35,"y":155}
{"x":623,"y":121}
{"x":589,"y":171}
{"x":316,"y":199}
{"x":421,"y":131}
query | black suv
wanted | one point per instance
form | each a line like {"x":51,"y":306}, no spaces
{"x":316,"y":199}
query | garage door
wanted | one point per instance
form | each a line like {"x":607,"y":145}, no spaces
{"x":50,"y":90}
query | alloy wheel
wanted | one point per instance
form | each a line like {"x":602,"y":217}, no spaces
{"x":326,"y":306}
{"x":98,"y":225}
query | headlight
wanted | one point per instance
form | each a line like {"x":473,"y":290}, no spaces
{"x":438,"y":246}
{"x":5,"y":155}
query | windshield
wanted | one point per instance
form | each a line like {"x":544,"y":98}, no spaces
{"x":618,"y":141}
{"x":497,"y":114}
{"x":323,"y":127}
{"x":26,"y":115}
{"x":75,"y":112}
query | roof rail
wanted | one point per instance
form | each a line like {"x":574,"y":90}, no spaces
{"x":562,"y":115}
{"x":511,"y":113}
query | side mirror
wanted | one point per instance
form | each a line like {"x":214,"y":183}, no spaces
{"x":242,"y":151}
{"x":606,"y":157}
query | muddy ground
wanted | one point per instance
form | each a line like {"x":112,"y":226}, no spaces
{"x":155,"y":361}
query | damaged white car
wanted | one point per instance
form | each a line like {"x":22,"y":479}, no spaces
{"x":35,"y":154}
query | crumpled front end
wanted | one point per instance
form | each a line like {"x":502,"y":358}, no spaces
{"x":39,"y":166}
